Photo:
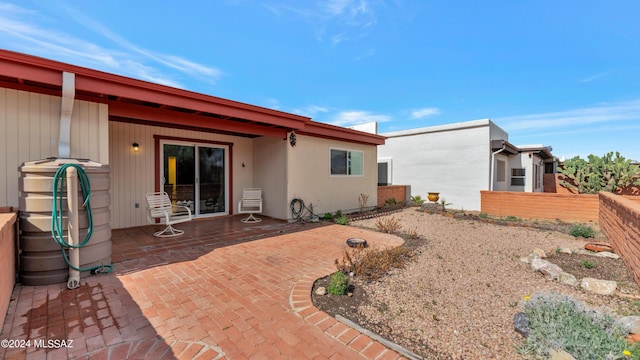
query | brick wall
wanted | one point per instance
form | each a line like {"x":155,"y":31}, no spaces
{"x":398,"y":192}
{"x":7,"y":260}
{"x":566,"y":207}
{"x":619,"y":220}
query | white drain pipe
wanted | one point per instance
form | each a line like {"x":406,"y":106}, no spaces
{"x":72,"y":232}
{"x":68,"y":95}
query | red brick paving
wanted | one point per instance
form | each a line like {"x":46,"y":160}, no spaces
{"x":228,"y":291}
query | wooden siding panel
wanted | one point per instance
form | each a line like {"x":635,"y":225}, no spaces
{"x":30,"y":125}
{"x":270,"y":174}
{"x":133,"y":174}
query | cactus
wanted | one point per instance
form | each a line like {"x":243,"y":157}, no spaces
{"x":606,"y":173}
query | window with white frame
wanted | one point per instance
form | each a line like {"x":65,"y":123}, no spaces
{"x":346,"y":162}
{"x":517,"y":177}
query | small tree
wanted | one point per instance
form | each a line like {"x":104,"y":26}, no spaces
{"x":607,"y":173}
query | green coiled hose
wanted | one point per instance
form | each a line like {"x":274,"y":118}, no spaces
{"x":57,"y":231}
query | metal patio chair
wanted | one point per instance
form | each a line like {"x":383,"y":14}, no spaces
{"x":251,"y":203}
{"x":159,"y":207}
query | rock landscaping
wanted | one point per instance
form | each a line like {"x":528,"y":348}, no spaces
{"x":457,"y":297}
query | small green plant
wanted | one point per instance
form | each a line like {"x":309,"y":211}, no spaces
{"x":339,"y":284}
{"x":328,"y":216}
{"x":388,"y":225}
{"x":338,"y":213}
{"x":511,"y":218}
{"x":584,"y":231}
{"x":588,"y":264}
{"x":342,"y":220}
{"x":560,"y":322}
{"x":418,"y":200}
{"x":483,"y":215}
{"x":391,"y":202}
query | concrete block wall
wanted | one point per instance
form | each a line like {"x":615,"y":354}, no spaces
{"x":619,"y":221}
{"x":7,"y":260}
{"x":398,"y":192}
{"x":565,"y":207}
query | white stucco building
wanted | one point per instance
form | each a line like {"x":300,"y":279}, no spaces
{"x":459,"y":160}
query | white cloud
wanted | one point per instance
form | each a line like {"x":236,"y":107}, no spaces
{"x":424,"y":112}
{"x":336,"y":20}
{"x":574,"y":119}
{"x":594,"y":77}
{"x":310,"y":110}
{"x":20,"y":31}
{"x":355,"y":117}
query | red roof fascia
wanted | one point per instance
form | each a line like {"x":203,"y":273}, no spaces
{"x":122,"y":110}
{"x":47,"y":71}
{"x":339,"y":133}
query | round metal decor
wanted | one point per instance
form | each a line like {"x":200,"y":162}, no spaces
{"x":356,"y":242}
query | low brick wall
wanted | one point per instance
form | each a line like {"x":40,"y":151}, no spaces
{"x":7,"y":260}
{"x":619,"y":221}
{"x":565,"y":207}
{"x":399,"y":192}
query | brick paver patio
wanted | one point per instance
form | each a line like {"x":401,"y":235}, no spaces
{"x":198,"y":297}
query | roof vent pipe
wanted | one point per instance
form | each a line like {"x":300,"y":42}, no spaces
{"x":68,"y":94}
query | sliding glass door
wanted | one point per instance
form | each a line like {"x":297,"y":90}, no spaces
{"x":196,"y":175}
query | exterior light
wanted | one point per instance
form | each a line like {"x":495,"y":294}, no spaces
{"x":136,"y":147}
{"x":292,"y":139}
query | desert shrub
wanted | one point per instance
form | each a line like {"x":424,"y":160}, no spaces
{"x":418,"y":200}
{"x":391,"y":202}
{"x":388,"y":225}
{"x":560,"y":322}
{"x":412,"y":233}
{"x":342,"y":220}
{"x":373,"y":263}
{"x":339,"y":284}
{"x":362,"y":201}
{"x":328,"y":216}
{"x":588,"y":264}
{"x":584,"y":231}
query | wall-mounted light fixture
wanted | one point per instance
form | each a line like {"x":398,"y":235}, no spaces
{"x":136,"y":147}
{"x":292,"y":139}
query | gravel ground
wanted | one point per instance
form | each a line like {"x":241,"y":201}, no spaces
{"x":458,"y":299}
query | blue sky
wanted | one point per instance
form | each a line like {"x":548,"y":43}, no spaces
{"x":561,"y":73}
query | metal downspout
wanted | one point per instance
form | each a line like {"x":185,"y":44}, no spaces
{"x":68,"y":95}
{"x":493,"y":160}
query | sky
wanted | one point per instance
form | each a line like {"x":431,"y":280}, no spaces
{"x":564,"y":74}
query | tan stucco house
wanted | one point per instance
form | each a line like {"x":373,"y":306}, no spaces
{"x":154,"y":137}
